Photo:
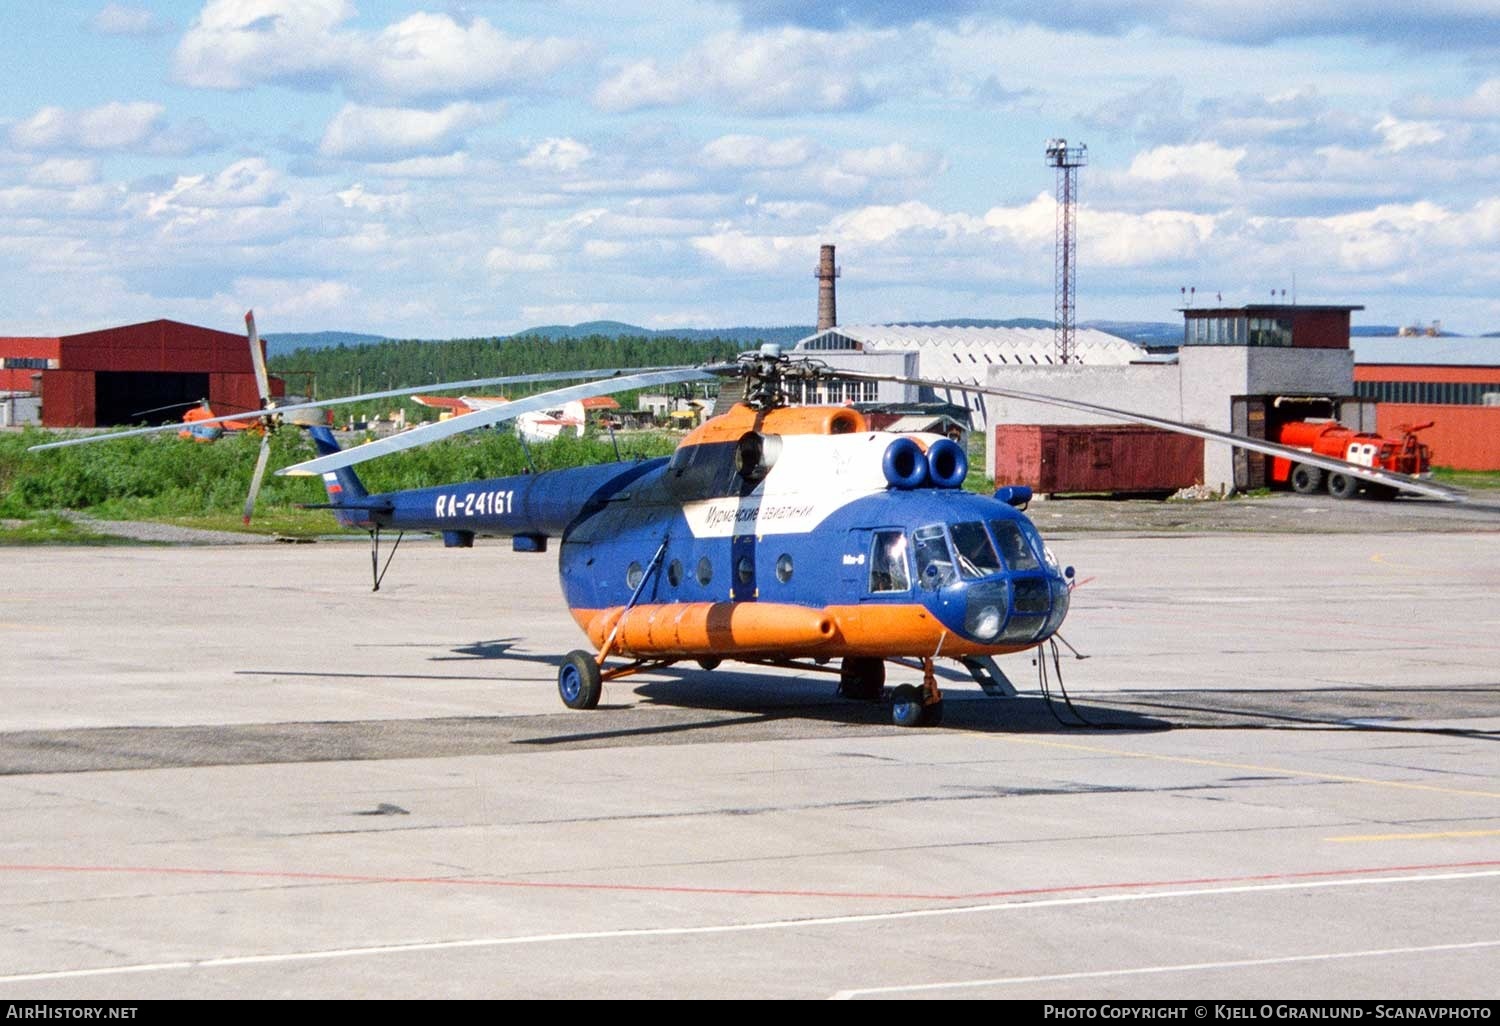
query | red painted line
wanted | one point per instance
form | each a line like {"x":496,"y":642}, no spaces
{"x":747,"y":892}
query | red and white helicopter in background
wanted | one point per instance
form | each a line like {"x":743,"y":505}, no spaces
{"x":572,"y":417}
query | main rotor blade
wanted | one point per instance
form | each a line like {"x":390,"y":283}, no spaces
{"x":1403,"y":482}
{"x":444,"y":386}
{"x":494,"y":415}
{"x":258,"y":359}
{"x":259,"y":475}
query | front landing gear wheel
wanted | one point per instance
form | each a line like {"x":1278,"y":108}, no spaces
{"x":578,"y":680}
{"x":907,"y":709}
{"x":862,"y":678}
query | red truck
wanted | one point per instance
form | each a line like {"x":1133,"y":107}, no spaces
{"x":1405,"y":455}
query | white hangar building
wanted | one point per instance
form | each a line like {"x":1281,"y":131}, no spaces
{"x":963,"y":355}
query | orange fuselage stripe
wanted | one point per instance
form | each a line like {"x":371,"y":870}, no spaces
{"x":728,"y":629}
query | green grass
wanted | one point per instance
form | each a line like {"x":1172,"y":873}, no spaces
{"x":49,"y":529}
{"x":1467,"y":478}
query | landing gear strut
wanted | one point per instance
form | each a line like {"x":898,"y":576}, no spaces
{"x":862,"y":678}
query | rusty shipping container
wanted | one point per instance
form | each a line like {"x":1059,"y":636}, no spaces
{"x":1124,"y":458}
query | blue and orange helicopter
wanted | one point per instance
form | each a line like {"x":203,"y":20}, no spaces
{"x":775,"y":534}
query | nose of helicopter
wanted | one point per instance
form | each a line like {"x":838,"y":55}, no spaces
{"x":1005,"y":608}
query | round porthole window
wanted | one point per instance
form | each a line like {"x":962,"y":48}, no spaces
{"x":783,"y":568}
{"x":705,"y":571}
{"x":745,"y":570}
{"x":674,"y":572}
{"x":633,"y":576}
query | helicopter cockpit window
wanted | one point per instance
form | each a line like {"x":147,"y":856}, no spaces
{"x":934,"y":558}
{"x":976,"y":555}
{"x":1017,"y":551}
{"x":888,"y":570}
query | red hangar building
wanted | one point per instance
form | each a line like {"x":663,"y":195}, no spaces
{"x":1454,"y":383}
{"x":127,"y":375}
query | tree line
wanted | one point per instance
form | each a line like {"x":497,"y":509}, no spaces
{"x":350,"y":370}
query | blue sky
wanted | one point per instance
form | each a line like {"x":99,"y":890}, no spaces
{"x":472,"y":167}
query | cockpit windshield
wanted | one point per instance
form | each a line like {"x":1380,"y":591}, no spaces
{"x":1018,"y":552}
{"x":934,"y":558}
{"x":976,"y":554}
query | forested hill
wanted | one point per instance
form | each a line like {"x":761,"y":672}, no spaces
{"x":349,"y":370}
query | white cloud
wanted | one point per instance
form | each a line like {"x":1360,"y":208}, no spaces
{"x":560,"y":155}
{"x":895,"y":160}
{"x":1032,"y":224}
{"x":286,"y":301}
{"x":63,"y":171}
{"x":641,"y":85}
{"x":758,"y":152}
{"x":112,"y":126}
{"x":1114,"y":239}
{"x":738,"y":251}
{"x":125,"y":20}
{"x":881,"y":223}
{"x":452,"y":165}
{"x":784,"y":71}
{"x":383,"y":133}
{"x":1403,"y":135}
{"x":1205,"y":162}
{"x":505,"y":261}
{"x":235,"y":44}
{"x":433,"y":55}
{"x":89,"y":202}
{"x":356,"y":197}
{"x":245,"y":183}
{"x":1386,"y":237}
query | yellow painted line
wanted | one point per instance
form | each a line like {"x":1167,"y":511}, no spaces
{"x":1415,"y":837}
{"x":1186,"y":760}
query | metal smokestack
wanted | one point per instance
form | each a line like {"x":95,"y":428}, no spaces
{"x":826,"y":273}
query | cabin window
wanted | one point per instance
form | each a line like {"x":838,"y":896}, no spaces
{"x":784,"y":568}
{"x":674,"y":572}
{"x":633,"y":576}
{"x":705,"y":571}
{"x":976,"y":554}
{"x":1018,"y":553}
{"x":934,"y":558}
{"x":745,"y":570}
{"x":888,"y":567}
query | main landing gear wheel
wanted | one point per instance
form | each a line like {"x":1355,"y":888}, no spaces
{"x":1305,"y":479}
{"x":711,"y":663}
{"x":862,"y":678}
{"x":907,"y":709}
{"x":578,"y":680}
{"x":1343,"y":486}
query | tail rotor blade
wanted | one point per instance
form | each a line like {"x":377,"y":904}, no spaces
{"x":258,"y":476}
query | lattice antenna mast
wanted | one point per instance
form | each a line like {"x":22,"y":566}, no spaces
{"x":1067,"y":159}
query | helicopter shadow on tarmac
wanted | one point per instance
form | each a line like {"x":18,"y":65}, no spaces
{"x":811,"y":697}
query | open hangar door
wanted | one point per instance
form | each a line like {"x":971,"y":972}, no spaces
{"x":134,"y":397}
{"x":1262,"y":416}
